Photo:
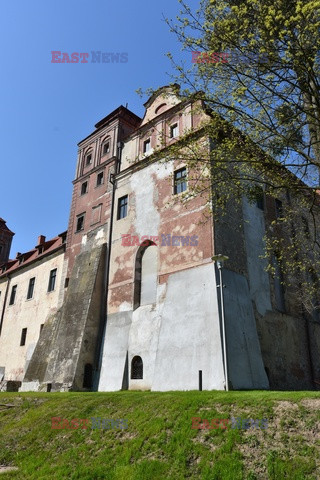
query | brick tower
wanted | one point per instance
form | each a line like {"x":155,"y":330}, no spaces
{"x":5,"y":241}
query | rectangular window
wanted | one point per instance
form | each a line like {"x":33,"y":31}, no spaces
{"x":13,"y":295}
{"x":147,"y":146}
{"x":106,"y":148}
{"x":122,"y":207}
{"x":99,"y":179}
{"x":174,"y":131}
{"x":84,"y":188}
{"x":180,"y":182}
{"x":88,"y":159}
{"x":52,"y":280}
{"x":23,"y":337}
{"x":80,"y":222}
{"x":31,"y":288}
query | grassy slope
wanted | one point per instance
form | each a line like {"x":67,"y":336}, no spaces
{"x":159,"y":442}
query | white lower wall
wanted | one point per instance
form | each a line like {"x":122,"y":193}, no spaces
{"x":175,"y":338}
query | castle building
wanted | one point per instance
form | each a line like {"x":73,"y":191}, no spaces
{"x":5,"y":241}
{"x":138,"y":301}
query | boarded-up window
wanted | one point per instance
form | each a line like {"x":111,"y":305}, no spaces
{"x":96,"y":214}
{"x":146,"y":276}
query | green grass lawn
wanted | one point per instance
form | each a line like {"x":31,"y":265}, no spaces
{"x":159,"y":442}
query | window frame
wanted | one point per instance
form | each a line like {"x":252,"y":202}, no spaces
{"x":23,"y":337}
{"x":87,"y":187}
{"x":133,"y":371}
{"x":100,"y":175}
{"x":88,"y":162}
{"x":145,"y":144}
{"x":126,"y":205}
{"x":78,"y":217}
{"x":31,"y":288}
{"x":52,"y":280}
{"x":179,"y":181}
{"x":105,"y":143}
{"x":13,"y":295}
{"x":174,"y":127}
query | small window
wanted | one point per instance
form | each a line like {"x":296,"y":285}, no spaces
{"x":122,"y":207}
{"x":84,"y":188}
{"x":41,"y":327}
{"x":88,"y":376}
{"x":99,"y":179}
{"x":13,"y":295}
{"x":23,"y":337}
{"x":31,"y":288}
{"x":279,"y":208}
{"x":80,"y":223}
{"x":147,"y":146}
{"x":174,"y":131}
{"x":66,"y":282}
{"x":106,"y":148}
{"x":52,"y":280}
{"x":88,"y":159}
{"x":137,"y":368}
{"x":180,"y":182}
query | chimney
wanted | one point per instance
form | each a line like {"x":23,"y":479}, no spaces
{"x":41,"y":239}
{"x":18,"y":254}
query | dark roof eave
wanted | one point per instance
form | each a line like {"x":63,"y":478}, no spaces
{"x":19,"y":267}
{"x":112,"y":116}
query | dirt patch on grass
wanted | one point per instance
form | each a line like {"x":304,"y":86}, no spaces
{"x":6,"y":469}
{"x":311,"y":403}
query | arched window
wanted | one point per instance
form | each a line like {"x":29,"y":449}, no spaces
{"x":88,"y":157}
{"x":136,"y":368}
{"x":146,"y":275}
{"x":106,"y":146}
{"x":160,"y":109}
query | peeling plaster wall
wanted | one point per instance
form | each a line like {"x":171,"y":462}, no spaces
{"x":179,"y":334}
{"x":176,"y":337}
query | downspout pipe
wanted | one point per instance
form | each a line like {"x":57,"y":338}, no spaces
{"x":219,"y":259}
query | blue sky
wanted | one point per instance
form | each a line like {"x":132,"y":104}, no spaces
{"x":47,"y":108}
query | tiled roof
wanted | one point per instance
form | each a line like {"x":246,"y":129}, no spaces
{"x":42,"y":250}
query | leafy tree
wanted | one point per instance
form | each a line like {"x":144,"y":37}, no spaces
{"x":255,"y":64}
